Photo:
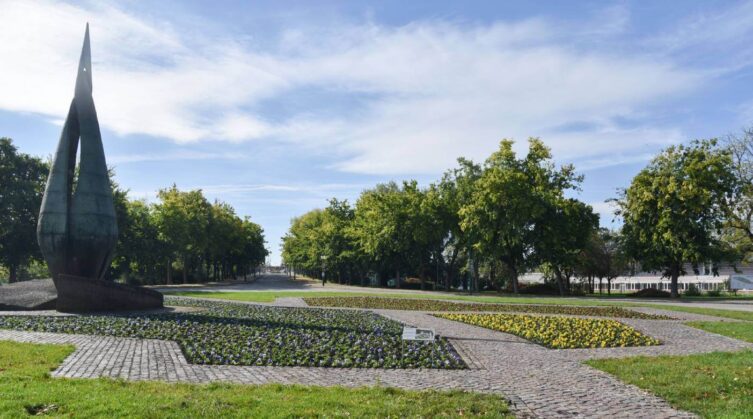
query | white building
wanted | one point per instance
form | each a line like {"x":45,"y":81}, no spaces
{"x":740,"y":279}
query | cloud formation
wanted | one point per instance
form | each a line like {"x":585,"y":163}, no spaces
{"x":404,"y":100}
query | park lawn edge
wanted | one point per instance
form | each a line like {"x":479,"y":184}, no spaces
{"x":26,"y":386}
{"x":736,"y":330}
{"x":716,"y":384}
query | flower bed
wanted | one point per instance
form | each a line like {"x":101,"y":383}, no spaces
{"x":559,"y":332}
{"x":439,"y":305}
{"x":242,"y":334}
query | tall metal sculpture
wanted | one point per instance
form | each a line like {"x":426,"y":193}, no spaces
{"x":77,"y":229}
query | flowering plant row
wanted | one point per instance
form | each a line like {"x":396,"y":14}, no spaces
{"x":440,"y":305}
{"x":559,"y":332}
{"x":241,"y":334}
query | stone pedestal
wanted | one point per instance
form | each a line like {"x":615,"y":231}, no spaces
{"x":77,"y":294}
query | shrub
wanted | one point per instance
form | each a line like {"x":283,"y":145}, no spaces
{"x":714,"y":293}
{"x":651,"y":293}
{"x":546,"y":288}
{"x":559,"y":332}
{"x":692,"y":291}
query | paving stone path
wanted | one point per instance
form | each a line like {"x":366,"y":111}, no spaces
{"x":539,"y":382}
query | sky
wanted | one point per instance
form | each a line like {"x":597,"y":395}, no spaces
{"x":277,"y":106}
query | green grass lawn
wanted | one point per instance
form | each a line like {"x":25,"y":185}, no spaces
{"x":716,"y":385}
{"x":270,"y":296}
{"x":737,"y":330}
{"x":26,"y":388}
{"x":438,"y":305}
{"x":730,"y":314}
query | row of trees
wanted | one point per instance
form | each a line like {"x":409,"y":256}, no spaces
{"x":182,"y":233}
{"x":494,"y":222}
{"x":486,"y":225}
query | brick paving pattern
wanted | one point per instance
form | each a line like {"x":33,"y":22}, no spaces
{"x":539,"y":382}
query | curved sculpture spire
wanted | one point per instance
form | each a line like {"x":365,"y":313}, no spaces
{"x":77,"y":231}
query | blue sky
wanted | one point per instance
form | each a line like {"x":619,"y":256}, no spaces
{"x":276,"y":106}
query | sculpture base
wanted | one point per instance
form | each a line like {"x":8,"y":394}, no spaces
{"x":77,"y":294}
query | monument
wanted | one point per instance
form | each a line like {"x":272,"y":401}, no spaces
{"x":77,"y":230}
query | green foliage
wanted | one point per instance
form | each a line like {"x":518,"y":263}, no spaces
{"x":715,"y":385}
{"x":603,"y":257}
{"x":209,"y":240}
{"x":739,"y":230}
{"x":242,"y":334}
{"x":435,"y":305}
{"x":692,"y":291}
{"x":519,"y":215}
{"x":674,"y":210}
{"x":714,"y":293}
{"x":559,"y":332}
{"x":24,"y":374}
{"x":23,"y":181}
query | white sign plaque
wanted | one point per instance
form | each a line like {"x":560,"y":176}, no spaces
{"x":412,"y":333}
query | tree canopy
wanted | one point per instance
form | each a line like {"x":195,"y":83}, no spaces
{"x":674,"y":210}
{"x":23,"y":181}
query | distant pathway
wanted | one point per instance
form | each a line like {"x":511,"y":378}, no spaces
{"x":539,"y":382}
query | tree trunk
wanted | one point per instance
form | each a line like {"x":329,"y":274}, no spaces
{"x":13,"y":273}
{"x":601,"y":288}
{"x":514,"y":278}
{"x":493,"y":277}
{"x":560,"y":281}
{"x":609,"y":286}
{"x":185,"y":269}
{"x":422,"y":277}
{"x":675,"y":273}
{"x":450,"y":268}
{"x":476,"y":278}
{"x":169,"y":272}
{"x":397,"y":279}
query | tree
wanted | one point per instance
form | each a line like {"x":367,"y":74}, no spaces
{"x":603,"y":257}
{"x":302,"y":246}
{"x":139,"y":251}
{"x":563,"y":234}
{"x":455,"y":191}
{"x":381,"y":227}
{"x":674,"y":209}
{"x":23,"y":181}
{"x":183,"y":220}
{"x":510,"y":199}
{"x":740,"y":212}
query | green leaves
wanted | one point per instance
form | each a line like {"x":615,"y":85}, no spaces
{"x":675,"y":208}
{"x":518,"y":213}
{"x":23,"y":181}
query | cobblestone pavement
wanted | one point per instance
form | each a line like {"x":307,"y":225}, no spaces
{"x":539,"y":382}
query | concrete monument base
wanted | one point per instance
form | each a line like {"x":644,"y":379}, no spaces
{"x":77,"y":294}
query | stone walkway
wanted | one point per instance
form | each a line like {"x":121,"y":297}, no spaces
{"x":539,"y":382}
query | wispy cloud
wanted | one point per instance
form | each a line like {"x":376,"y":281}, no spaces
{"x":428,"y":92}
{"x":172,"y":156}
